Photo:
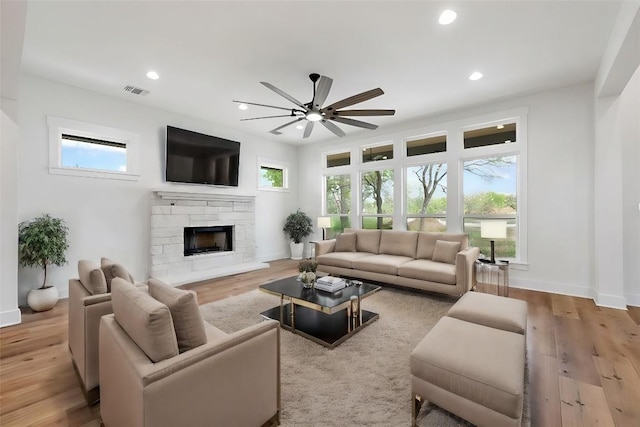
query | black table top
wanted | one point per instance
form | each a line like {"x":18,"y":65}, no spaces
{"x":292,"y":288}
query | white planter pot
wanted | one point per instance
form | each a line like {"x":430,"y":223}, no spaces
{"x":42,"y":299}
{"x":296,"y":250}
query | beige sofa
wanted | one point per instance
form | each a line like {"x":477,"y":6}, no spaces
{"x":162,"y":365}
{"x":437,"y":262}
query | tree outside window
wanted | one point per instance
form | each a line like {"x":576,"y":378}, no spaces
{"x":377,"y":199}
{"x":338,"y":203}
{"x":271,"y":177}
{"x":427,"y":197}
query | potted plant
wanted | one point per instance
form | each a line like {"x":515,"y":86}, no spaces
{"x":298,"y":225}
{"x":42,"y":242}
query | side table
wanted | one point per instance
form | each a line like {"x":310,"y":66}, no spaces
{"x":492,"y":278}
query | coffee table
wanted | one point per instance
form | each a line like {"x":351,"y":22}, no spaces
{"x":323,"y":317}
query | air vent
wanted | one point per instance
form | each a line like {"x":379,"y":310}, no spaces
{"x":136,"y":90}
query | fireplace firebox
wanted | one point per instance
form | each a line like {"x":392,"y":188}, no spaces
{"x":199,"y":240}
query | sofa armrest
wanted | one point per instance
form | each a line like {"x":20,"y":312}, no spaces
{"x":210,"y":383}
{"x":465,"y":260}
{"x":325,"y":246}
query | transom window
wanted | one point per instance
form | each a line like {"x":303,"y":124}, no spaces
{"x":377,"y":153}
{"x":492,"y":135}
{"x":339,"y":159}
{"x":428,"y":145}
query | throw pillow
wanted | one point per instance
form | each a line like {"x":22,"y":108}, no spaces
{"x":187,"y":320}
{"x":112,"y":269}
{"x":146,"y":320}
{"x":445,"y":251}
{"x":345,"y":242}
{"x":92,"y":277}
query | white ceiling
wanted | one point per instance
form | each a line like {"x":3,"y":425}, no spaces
{"x":209,"y":52}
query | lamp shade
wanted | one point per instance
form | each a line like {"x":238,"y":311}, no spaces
{"x":493,"y":229}
{"x":324,"y":222}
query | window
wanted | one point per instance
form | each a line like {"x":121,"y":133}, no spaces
{"x":492,"y":135}
{"x":428,"y":145}
{"x":338,"y":159}
{"x":338,"y":203}
{"x":426,"y":195}
{"x":272,"y":176}
{"x":377,"y":153}
{"x":377,"y":199}
{"x":490,"y":194}
{"x":83,"y":149}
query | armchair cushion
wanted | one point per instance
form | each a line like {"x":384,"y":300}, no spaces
{"x":112,"y":270}
{"x":92,"y":277}
{"x":445,"y":251}
{"x":185,"y":313}
{"x":345,"y":242}
{"x":146,"y":320}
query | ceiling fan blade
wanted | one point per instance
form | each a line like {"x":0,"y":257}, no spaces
{"x":356,"y":123}
{"x":355,"y":99}
{"x":324,"y":86}
{"x":308,"y":129}
{"x":364,"y":113}
{"x":262,"y":105}
{"x":275,"y":131}
{"x":333,"y":128}
{"x":265,"y":117}
{"x":284,"y":95}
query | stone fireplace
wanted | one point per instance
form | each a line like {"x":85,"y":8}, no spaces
{"x":198,"y":236}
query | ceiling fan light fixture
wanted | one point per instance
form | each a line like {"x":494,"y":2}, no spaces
{"x":153,"y":75}
{"x":447,"y":17}
{"x":313,"y":116}
{"x":300,"y":127}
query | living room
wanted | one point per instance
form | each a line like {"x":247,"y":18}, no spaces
{"x":577,"y":146}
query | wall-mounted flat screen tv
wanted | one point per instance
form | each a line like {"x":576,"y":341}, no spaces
{"x":196,"y":158}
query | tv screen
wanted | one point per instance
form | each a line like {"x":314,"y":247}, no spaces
{"x":196,"y":158}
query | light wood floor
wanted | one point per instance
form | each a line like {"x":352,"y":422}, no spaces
{"x":584,"y":360}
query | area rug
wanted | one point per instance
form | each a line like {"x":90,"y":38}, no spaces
{"x":365,"y":381}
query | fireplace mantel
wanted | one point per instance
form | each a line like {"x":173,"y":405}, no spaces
{"x":180,"y":195}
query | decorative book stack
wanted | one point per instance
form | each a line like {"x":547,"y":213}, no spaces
{"x":330,"y":283}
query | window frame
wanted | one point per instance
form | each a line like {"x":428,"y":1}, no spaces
{"x":59,"y":126}
{"x":273,"y":164}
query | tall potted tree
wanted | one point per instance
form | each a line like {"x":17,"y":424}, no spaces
{"x":298,"y":225}
{"x":42,"y":242}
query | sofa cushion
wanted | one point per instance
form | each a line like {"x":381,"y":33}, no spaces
{"x":497,"y":312}
{"x":146,"y":320}
{"x":427,"y":242}
{"x":425,"y":269}
{"x":483,"y":365}
{"x":368,"y":241}
{"x":402,"y":243}
{"x":340,"y":259}
{"x":183,"y":305}
{"x":384,"y":264}
{"x":445,"y":251}
{"x":345,"y":242}
{"x":112,"y":269}
{"x":92,"y":277}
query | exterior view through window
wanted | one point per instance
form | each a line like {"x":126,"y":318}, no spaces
{"x":87,"y":153}
{"x":427,"y":197}
{"x":338,"y":203}
{"x":271,"y":177}
{"x":377,"y":199}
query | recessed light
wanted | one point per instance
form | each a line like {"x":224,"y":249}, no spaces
{"x":447,"y":17}
{"x":476,"y":75}
{"x":299,"y":127}
{"x":243,"y":106}
{"x":500,"y":127}
{"x":153,"y":75}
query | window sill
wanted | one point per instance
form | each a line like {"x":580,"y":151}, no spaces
{"x":274,"y":189}
{"x":91,"y":173}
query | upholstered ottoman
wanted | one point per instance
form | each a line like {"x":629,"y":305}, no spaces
{"x":473,"y":371}
{"x":504,"y":313}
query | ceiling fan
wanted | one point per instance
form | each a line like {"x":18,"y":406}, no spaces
{"x":313,"y":111}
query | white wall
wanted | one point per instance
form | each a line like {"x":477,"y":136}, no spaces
{"x":559,"y":197}
{"x":111,"y":218}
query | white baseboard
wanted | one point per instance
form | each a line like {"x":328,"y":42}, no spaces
{"x":11,"y":317}
{"x":611,"y":301}
{"x":553,"y":288}
{"x":633,"y":299}
{"x":273,"y":256}
{"x":199,"y":276}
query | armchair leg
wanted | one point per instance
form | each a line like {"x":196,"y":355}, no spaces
{"x":91,"y":396}
{"x":416,"y":403}
{"x":273,"y":421}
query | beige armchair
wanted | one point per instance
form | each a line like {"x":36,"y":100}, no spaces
{"x":88,"y":302}
{"x":231,"y":380}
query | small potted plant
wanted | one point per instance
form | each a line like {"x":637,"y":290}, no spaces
{"x":298,"y":225}
{"x":42,"y":242}
{"x":307,"y":265}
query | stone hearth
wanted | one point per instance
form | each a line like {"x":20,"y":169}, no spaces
{"x":172,"y":212}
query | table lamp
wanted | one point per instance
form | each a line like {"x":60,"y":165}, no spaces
{"x":493,"y":230}
{"x":324,"y":222}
